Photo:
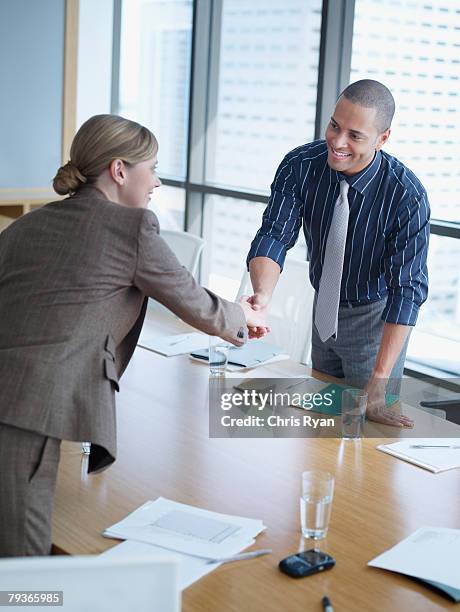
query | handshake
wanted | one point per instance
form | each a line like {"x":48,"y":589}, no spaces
{"x":255,"y":308}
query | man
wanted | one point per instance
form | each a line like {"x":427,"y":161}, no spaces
{"x":365,"y":218}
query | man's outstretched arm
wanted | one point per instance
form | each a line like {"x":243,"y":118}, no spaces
{"x":281,"y":222}
{"x":264,"y":274}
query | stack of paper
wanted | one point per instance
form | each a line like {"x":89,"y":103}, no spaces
{"x":434,"y":454}
{"x":187,"y":529}
{"x":197,"y":536}
{"x":430,"y":555}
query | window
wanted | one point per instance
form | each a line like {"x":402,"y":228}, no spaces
{"x":155,"y":55}
{"x":414,"y":48}
{"x":266,"y":89}
{"x":168,"y":203}
{"x":435,"y":340}
{"x":229,"y":226}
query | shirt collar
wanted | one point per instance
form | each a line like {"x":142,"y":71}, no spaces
{"x":362,"y":180}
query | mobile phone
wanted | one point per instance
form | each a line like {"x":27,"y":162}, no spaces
{"x":306,"y":563}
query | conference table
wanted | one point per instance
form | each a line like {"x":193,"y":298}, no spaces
{"x":164,"y":449}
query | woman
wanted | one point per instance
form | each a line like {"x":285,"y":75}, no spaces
{"x":74,"y":276}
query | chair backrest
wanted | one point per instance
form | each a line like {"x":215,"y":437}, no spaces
{"x":187,"y":248}
{"x":4,"y":221}
{"x":290,"y":316}
{"x":98,"y":582}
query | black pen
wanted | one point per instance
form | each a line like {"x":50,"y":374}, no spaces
{"x":327,"y":606}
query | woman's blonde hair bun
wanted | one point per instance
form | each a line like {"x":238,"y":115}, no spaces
{"x":68,"y":179}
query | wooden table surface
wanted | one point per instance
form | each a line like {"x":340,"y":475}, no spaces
{"x":164,"y":449}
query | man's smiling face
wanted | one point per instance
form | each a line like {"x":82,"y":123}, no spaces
{"x":352,"y":137}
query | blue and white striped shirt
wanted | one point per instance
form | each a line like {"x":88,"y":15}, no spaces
{"x":388,"y":229}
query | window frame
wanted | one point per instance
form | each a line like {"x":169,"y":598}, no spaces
{"x":333,"y":75}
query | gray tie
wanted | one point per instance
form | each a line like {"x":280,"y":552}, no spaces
{"x":327,"y":304}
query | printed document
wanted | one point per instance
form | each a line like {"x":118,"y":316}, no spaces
{"x":430,"y":554}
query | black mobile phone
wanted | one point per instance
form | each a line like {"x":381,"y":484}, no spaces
{"x":306,"y":563}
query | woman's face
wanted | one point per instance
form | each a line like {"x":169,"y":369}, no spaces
{"x":141,"y":180}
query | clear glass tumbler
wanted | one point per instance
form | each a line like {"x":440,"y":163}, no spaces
{"x":354,"y":404}
{"x":218,"y":356}
{"x":316,"y":503}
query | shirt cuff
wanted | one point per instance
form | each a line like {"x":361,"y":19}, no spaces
{"x":400,"y":310}
{"x":266,"y":246}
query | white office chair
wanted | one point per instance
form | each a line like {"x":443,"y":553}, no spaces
{"x":187,"y":248}
{"x":290,"y":316}
{"x":4,"y":222}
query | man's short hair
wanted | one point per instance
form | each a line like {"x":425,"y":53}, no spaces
{"x":372,"y":94}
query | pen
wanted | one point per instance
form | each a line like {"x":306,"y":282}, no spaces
{"x":178,"y":341}
{"x":327,"y":606}
{"x":242,"y":556}
{"x":433,"y":446}
{"x":297,"y":383}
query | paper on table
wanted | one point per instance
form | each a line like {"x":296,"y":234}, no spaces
{"x":253,"y":353}
{"x":187,"y":529}
{"x":190,"y":568}
{"x":237,"y":368}
{"x":179,"y":344}
{"x":433,"y":459}
{"x":430,"y":553}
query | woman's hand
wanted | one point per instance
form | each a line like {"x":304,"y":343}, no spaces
{"x":255,"y":318}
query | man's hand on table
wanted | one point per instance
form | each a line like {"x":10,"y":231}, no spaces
{"x":376,"y":407}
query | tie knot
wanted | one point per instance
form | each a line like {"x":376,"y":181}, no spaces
{"x":344,"y":186}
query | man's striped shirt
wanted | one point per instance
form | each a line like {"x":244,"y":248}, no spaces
{"x":388,"y":229}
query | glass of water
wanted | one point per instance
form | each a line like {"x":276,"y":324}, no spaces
{"x":354,"y":404}
{"x":316,"y":503}
{"x":218,"y":356}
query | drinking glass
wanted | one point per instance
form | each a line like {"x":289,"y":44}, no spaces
{"x":316,"y":503}
{"x":218,"y":356}
{"x":354,"y":404}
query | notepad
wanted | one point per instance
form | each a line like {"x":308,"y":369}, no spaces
{"x":432,"y":459}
